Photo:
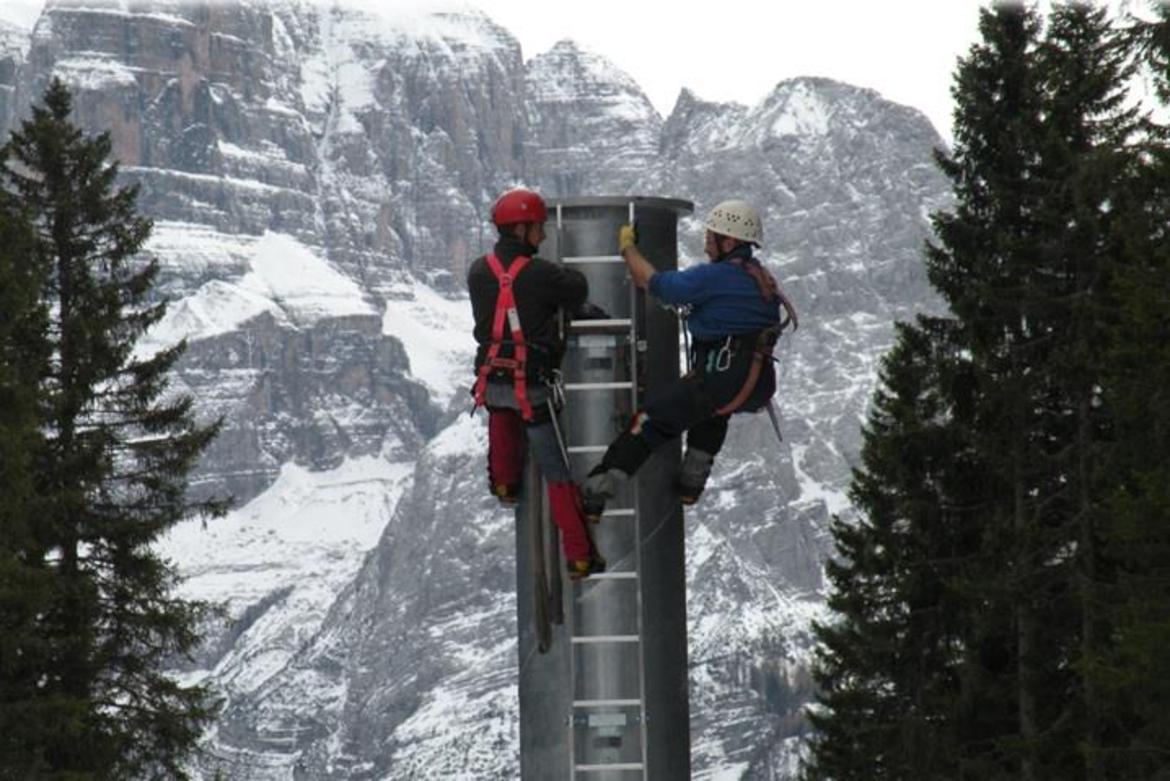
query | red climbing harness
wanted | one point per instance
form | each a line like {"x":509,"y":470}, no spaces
{"x":506,"y":311}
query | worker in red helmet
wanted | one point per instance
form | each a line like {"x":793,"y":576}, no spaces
{"x":516,"y":298}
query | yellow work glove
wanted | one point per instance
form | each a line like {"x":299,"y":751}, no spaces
{"x":627,"y":237}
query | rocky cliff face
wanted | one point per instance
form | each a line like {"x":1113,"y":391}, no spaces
{"x":591,"y":129}
{"x":13,"y":42}
{"x":319,"y":178}
{"x":418,"y":122}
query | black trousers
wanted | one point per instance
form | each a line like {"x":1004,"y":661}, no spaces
{"x":690,"y":403}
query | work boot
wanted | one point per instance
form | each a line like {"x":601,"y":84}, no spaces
{"x":692,"y":477}
{"x":507,"y":493}
{"x":579,"y":569}
{"x":600,"y":486}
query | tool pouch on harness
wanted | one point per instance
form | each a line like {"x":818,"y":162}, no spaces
{"x":506,"y":313}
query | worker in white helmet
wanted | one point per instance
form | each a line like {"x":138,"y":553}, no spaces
{"x":735,"y":319}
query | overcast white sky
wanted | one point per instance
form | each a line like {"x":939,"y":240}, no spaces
{"x":740,"y":49}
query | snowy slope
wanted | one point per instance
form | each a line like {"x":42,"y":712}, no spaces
{"x":283,"y":277}
{"x":277,"y":564}
{"x":436,"y":332}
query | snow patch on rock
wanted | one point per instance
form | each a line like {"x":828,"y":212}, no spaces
{"x":436,"y":333}
{"x":467,"y":434}
{"x":287,"y":279}
{"x":802,"y":112}
{"x":94,"y":73}
{"x":292,"y":549}
{"x":303,"y":283}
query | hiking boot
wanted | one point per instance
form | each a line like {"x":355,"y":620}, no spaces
{"x":592,"y":508}
{"x":507,"y":493}
{"x":692,"y":476}
{"x":689,"y":494}
{"x":599,"y":487}
{"x":579,"y":569}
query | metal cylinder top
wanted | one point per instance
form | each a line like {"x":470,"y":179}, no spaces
{"x":676,"y":205}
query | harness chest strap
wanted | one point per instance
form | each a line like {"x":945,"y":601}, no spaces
{"x":506,"y":313}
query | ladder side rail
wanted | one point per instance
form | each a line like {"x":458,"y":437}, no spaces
{"x":570,"y":614}
{"x":634,"y":343}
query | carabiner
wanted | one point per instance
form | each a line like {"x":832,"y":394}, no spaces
{"x":723,"y":357}
{"x":556,"y":387}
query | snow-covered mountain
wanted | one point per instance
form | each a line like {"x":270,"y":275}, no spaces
{"x":320,"y":177}
{"x":590,"y":127}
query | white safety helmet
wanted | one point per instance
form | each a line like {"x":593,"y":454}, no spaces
{"x":736,"y":219}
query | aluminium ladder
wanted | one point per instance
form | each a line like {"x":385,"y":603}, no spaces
{"x":608,"y":709}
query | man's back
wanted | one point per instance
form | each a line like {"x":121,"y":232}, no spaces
{"x":541,"y":289}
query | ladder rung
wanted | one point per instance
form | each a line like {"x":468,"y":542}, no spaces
{"x":588,"y":448}
{"x":601,"y":639}
{"x":586,"y":386}
{"x":607,"y":703}
{"x":610,"y":576}
{"x":592,"y":259}
{"x":607,"y":768}
{"x":589,"y":325}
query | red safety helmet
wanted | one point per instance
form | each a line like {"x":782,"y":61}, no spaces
{"x":517,"y":206}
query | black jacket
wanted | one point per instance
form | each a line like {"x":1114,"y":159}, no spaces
{"x":541,"y":289}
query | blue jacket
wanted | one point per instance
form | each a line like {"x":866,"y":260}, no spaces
{"x":725,"y":300}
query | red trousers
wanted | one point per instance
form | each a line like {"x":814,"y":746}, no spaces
{"x":507,"y":445}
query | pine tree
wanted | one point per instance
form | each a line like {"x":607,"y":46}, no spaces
{"x":888,"y":670}
{"x":981,"y":267}
{"x":1133,"y":670}
{"x":111,"y":474}
{"x":26,"y":583}
{"x":1005,"y":522}
{"x":1090,"y":158}
{"x":960,"y":528}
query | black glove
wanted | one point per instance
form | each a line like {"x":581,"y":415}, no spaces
{"x":590,"y":311}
